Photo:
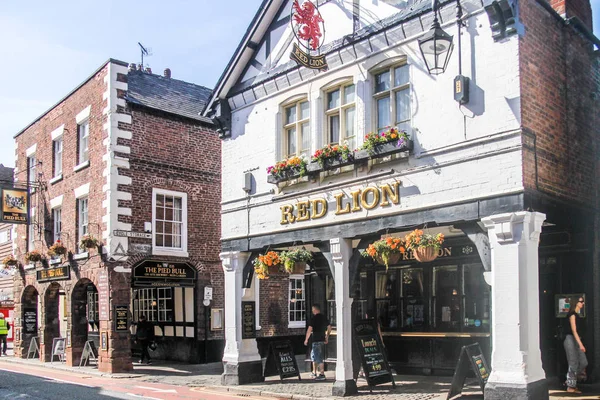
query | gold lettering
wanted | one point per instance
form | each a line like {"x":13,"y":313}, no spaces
{"x":364,"y":198}
{"x":303,"y":213}
{"x":316,"y":214}
{"x":447,"y":251}
{"x":287,"y":216}
{"x":338,"y":200}
{"x":389,"y":194}
{"x":355,"y":201}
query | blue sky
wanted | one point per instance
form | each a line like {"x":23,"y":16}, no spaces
{"x":48,"y":47}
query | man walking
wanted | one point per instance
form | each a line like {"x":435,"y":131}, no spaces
{"x":4,"y":328}
{"x":144,"y":334}
{"x":319,"y":328}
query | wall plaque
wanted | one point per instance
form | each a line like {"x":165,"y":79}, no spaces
{"x":103,"y":296}
{"x":121,"y":318}
{"x":248,"y":320}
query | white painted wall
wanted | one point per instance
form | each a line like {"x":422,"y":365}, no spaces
{"x":459,"y":151}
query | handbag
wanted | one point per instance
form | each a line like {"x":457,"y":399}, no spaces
{"x":153,"y":346}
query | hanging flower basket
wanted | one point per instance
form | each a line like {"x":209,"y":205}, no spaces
{"x":423,"y":245}
{"x":88,"y":242}
{"x":10,"y":261}
{"x":266,"y":264}
{"x":294,"y":261}
{"x":33,"y":256}
{"x":57,"y":249}
{"x":385,"y":251}
{"x":425,"y":254}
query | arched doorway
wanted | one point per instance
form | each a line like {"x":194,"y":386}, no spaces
{"x":85,"y":322}
{"x":52,"y":318}
{"x":29,"y":315}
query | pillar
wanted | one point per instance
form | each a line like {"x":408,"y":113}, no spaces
{"x":516,"y":357}
{"x":341,"y":251}
{"x":241,"y":361}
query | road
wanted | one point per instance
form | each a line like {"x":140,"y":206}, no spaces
{"x":33,"y":383}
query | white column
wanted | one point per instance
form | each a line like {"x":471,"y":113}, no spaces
{"x":516,"y":358}
{"x":341,"y":251}
{"x":241,"y":361}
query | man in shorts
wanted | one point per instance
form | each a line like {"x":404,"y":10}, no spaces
{"x":320,"y":329}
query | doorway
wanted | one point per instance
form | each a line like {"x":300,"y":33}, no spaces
{"x":85,"y":322}
{"x":29,"y":315}
{"x":52,"y":318}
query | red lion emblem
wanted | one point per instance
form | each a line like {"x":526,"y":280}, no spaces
{"x":307,"y":18}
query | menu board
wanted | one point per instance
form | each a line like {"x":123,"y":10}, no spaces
{"x":470,"y":356}
{"x":30,"y":320}
{"x":372,"y":353}
{"x":89,"y":352}
{"x":121,"y":318}
{"x":281,"y":361}
{"x":248,"y":320}
{"x":58,"y":349}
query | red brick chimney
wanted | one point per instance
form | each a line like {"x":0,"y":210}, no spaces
{"x":167,"y":73}
{"x":574,"y":8}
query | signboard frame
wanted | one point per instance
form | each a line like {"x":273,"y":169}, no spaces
{"x":559,"y":304}
{"x":248,"y":320}
{"x":273,"y":364}
{"x":470,"y":356}
{"x":35,"y":349}
{"x":89,"y":351}
{"x":154,"y":273}
{"x":8,"y":216}
{"x":366,"y":331}
{"x":58,"y":349}
{"x":30,"y":312}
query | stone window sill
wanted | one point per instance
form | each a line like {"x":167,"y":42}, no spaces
{"x":81,"y":256}
{"x":81,"y":166}
{"x":174,"y":253}
{"x":29,"y":267}
{"x":54,"y":262}
{"x":297,"y":324}
{"x":57,"y":178}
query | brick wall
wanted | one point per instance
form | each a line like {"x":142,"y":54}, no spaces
{"x":558,"y":99}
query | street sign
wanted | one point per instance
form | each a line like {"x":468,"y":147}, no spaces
{"x":137,"y":235}
{"x":208,"y":291}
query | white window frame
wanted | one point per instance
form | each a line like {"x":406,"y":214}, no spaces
{"x":340,"y":110}
{"x":391,"y":94}
{"x":31,"y":229}
{"x":166,"y":251}
{"x":6,"y":239}
{"x":82,"y":218}
{"x":57,"y":150}
{"x":31,"y":168}
{"x":297,"y":125}
{"x":296,"y":323}
{"x":57,"y":222}
{"x":83,"y":142}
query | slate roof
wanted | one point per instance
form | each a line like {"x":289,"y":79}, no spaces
{"x":6,"y":173}
{"x":167,"y":94}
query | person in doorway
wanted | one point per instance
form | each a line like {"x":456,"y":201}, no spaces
{"x":574,"y":346}
{"x":4,"y":328}
{"x":144,"y":335}
{"x":320,"y":329}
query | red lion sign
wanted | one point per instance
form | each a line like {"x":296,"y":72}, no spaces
{"x":307,"y":20}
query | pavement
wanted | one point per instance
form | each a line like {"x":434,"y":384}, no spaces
{"x":208,"y":377}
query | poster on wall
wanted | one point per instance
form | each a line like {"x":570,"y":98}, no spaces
{"x":563,"y":304}
{"x":15,"y":206}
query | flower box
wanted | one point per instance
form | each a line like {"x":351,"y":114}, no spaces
{"x":382,"y":150}
{"x":285,"y":176}
{"x":329,"y":164}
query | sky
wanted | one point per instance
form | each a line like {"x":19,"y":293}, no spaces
{"x":48,"y":47}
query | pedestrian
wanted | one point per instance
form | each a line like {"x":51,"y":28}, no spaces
{"x":320,"y":329}
{"x":144,"y":335}
{"x":4,"y":328}
{"x":574,"y":346}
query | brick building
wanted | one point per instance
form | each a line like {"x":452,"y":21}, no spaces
{"x":508,"y":176}
{"x":6,"y":248}
{"x":124,"y":159}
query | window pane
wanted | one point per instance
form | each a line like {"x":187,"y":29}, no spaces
{"x":334,"y":129}
{"x":290,"y":115}
{"x":333,"y":99}
{"x":402,"y":105}
{"x":304,"y":110}
{"x":383,"y":113}
{"x":382,"y":82}
{"x":349,"y":92}
{"x":291,"y":141}
{"x":447,"y":298}
{"x":169,"y":214}
{"x":349,"y":128}
{"x":401,"y":75}
{"x":160,"y":213}
{"x":305,"y":138}
{"x":160,"y":200}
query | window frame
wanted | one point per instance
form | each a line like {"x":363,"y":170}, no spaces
{"x":296,"y":323}
{"x":80,"y":140}
{"x":57,"y":144}
{"x":340,"y":111}
{"x":82,"y":228}
{"x":391,"y":95}
{"x":174,"y":251}
{"x":152,"y":304}
{"x":297,"y":124}
{"x":57,"y":223}
{"x":31,"y":168}
{"x":8,"y":236}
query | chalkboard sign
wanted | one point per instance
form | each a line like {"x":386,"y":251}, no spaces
{"x":248,"y":320}
{"x":372,"y":353}
{"x":89,"y":352}
{"x":34,"y":348}
{"x":30,"y":320}
{"x":470,"y":356}
{"x":281,"y":361}
{"x":58,"y":349}
{"x":121,"y":314}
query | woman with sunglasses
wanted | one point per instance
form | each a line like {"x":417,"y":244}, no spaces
{"x":574,"y":346}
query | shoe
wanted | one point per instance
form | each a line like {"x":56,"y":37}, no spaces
{"x":141,"y":361}
{"x":573,"y":390}
{"x":313,"y":375}
{"x":149,"y":362}
{"x":320,"y":378}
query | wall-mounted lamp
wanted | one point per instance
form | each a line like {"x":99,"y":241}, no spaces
{"x":436,"y":45}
